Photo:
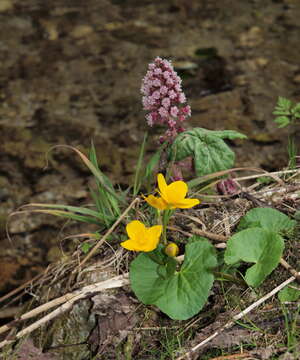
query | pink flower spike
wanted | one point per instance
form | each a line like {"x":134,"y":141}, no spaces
{"x":163,"y":98}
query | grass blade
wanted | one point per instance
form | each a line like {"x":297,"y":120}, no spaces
{"x":138,"y":171}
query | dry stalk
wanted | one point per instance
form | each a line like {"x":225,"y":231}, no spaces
{"x":270,"y":174}
{"x":100,"y":242}
{"x":23,"y":286}
{"x":69,"y":300}
{"x":237,"y":317}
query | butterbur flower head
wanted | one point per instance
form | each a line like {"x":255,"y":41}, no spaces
{"x":141,"y":238}
{"x":172,"y":196}
{"x":163,"y":98}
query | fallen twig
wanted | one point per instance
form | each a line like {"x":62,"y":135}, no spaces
{"x":237,"y":317}
{"x":69,"y":299}
{"x":232,"y":357}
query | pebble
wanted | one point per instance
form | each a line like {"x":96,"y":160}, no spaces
{"x":297,"y":79}
{"x":81,"y":31}
{"x":252,"y":37}
{"x":6,"y":5}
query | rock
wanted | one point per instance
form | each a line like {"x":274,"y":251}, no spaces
{"x":251,"y":38}
{"x":6,"y":5}
{"x":81,"y":31}
{"x":264,"y":137}
{"x":296,"y":79}
{"x":240,"y":80}
{"x":262,"y":62}
{"x":50,"y":29}
{"x":27,"y":350}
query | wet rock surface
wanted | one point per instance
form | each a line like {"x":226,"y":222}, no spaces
{"x":71,"y":72}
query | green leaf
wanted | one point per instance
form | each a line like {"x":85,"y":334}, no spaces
{"x":85,"y":247}
{"x":284,"y":102}
{"x":69,"y":215}
{"x":72,"y":209}
{"x":207,"y":148}
{"x":106,"y":191}
{"x":282,"y":121}
{"x":296,"y":110}
{"x":267,"y":218}
{"x":182,"y":293}
{"x":289,"y":294}
{"x":138,"y":170}
{"x":297,"y":215}
{"x":255,"y":245}
{"x":224,"y":134}
{"x":152,"y":163}
{"x":284,"y":112}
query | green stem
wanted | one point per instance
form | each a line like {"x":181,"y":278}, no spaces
{"x":165,"y":219}
{"x":229,"y":278}
{"x":154,"y":257}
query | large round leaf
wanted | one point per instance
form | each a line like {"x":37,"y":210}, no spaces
{"x":255,"y":245}
{"x":267,"y":218}
{"x":183,"y":293}
{"x":209,"y":152}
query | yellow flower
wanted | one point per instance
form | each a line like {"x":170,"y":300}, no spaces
{"x":172,"y":249}
{"x":141,"y":238}
{"x":172,"y":196}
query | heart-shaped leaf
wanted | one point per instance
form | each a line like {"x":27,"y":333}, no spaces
{"x":255,"y":245}
{"x":182,"y":293}
{"x":289,"y":293}
{"x":207,"y":148}
{"x":267,"y":218}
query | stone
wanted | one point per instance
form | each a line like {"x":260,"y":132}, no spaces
{"x":6,"y":5}
{"x":296,"y":79}
{"x":252,"y":37}
{"x":81,"y":31}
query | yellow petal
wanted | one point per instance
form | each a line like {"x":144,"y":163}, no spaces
{"x":186,"y":203}
{"x":156,"y":202}
{"x":162,"y":185}
{"x":153,"y":235}
{"x":130,"y":245}
{"x":176,"y":192}
{"x":135,"y":230}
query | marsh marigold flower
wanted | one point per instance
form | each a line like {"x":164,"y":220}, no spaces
{"x":163,"y":98}
{"x":171,"y":196}
{"x":141,"y":238}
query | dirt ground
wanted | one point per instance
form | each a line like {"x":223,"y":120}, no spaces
{"x":70,"y":72}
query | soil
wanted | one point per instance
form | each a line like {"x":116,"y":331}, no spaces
{"x":70,"y":72}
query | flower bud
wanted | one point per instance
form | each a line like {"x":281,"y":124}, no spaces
{"x":172,"y":249}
